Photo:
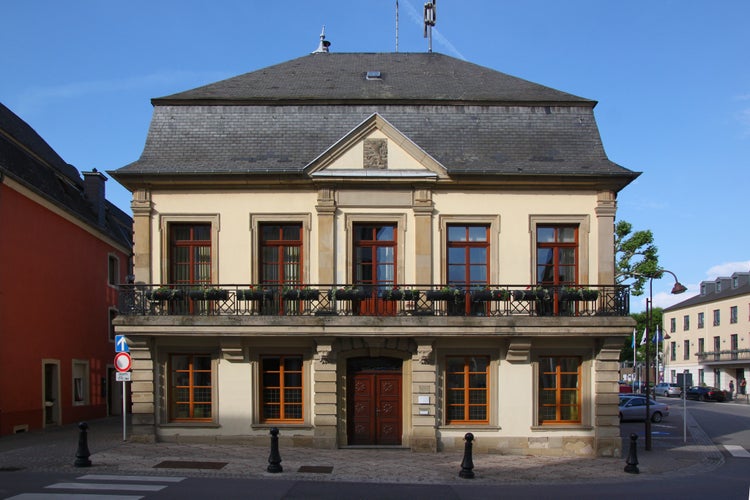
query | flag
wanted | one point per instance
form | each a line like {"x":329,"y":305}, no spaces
{"x":645,"y":336}
{"x":657,"y":336}
{"x":633,"y":344}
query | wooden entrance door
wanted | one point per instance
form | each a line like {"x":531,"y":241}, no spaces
{"x":374,"y":408}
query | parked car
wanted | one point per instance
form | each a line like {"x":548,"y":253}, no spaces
{"x":625,"y":388}
{"x":699,"y":393}
{"x":667,"y":390}
{"x":634,"y":408}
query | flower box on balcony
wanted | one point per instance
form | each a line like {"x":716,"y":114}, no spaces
{"x":399,"y":294}
{"x":165,"y":293}
{"x":208,"y":294}
{"x":534,"y":294}
{"x":576,"y":294}
{"x":447,"y":294}
{"x":347,"y":293}
{"x":254,"y":294}
{"x":487,"y":295}
{"x":302,"y":294}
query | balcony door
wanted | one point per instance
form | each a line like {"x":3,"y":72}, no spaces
{"x":469,"y":261}
{"x":556,"y":259}
{"x":190,"y":260}
{"x":281,"y":261}
{"x":375,"y":265}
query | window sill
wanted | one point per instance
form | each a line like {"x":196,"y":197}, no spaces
{"x":561,"y":427}
{"x":281,"y":425}
{"x":204,"y":425}
{"x":469,"y":427}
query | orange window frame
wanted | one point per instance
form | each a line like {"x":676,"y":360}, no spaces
{"x":282,"y":399}
{"x":185,"y":380}
{"x":557,"y":395}
{"x":463,"y":394}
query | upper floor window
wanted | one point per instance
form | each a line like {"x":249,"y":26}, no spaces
{"x":686,"y":322}
{"x":375,"y":254}
{"x":468,"y":255}
{"x":280,"y":254}
{"x":717,"y":317}
{"x":701,"y":346}
{"x":673,"y":351}
{"x":672,"y":325}
{"x":733,"y":314}
{"x":559,"y":389}
{"x":701,"y":320}
{"x":467,"y":386}
{"x":685,"y":349}
{"x":556,"y":254}
{"x":190,"y":253}
{"x":190,"y":387}
{"x":113,"y":270}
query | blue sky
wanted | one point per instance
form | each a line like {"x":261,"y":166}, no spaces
{"x":671,"y":77}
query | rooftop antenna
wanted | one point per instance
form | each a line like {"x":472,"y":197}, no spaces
{"x":430,"y":16}
{"x":324,"y":44}
{"x":396,"y":25}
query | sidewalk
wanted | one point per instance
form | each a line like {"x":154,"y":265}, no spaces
{"x":55,"y":450}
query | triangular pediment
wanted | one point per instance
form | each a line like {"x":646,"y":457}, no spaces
{"x":375,"y":148}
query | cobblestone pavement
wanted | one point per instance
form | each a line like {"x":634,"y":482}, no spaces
{"x":55,"y":450}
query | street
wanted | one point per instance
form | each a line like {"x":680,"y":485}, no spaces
{"x":726,"y":424}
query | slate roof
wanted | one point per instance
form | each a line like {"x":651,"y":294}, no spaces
{"x":471,"y":119}
{"x":711,"y":295}
{"x":28,"y":159}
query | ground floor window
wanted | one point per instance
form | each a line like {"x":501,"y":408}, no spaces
{"x":281,"y":388}
{"x":80,"y":382}
{"x":190,"y":387}
{"x":559,"y":390}
{"x":467,"y":389}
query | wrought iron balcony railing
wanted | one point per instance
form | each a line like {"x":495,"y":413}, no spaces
{"x":373,"y":300}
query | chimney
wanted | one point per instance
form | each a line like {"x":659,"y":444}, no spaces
{"x":93,"y":189}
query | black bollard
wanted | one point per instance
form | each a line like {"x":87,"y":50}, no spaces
{"x":82,"y":453}
{"x":274,"y":459}
{"x":467,"y":464}
{"x":632,"y":460}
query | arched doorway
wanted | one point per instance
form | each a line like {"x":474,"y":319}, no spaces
{"x":374,"y":401}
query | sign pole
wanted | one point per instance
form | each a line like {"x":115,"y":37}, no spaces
{"x":124,"y":409}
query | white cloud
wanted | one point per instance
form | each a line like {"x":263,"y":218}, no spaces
{"x":727,"y":268}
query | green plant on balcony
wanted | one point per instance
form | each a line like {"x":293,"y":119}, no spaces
{"x":208,"y":293}
{"x":303,"y":293}
{"x":254,"y":293}
{"x":165,"y":293}
{"x":347,"y":293}
{"x":447,"y":293}
{"x":397,"y":293}
{"x":538,"y":293}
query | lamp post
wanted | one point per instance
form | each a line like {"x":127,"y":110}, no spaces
{"x":677,"y":288}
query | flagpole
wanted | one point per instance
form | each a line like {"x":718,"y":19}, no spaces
{"x":632,"y":382}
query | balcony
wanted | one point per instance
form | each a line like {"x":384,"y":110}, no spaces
{"x":726,"y":356}
{"x":365,"y":300}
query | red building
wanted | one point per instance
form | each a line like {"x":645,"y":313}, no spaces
{"x":64,"y":249}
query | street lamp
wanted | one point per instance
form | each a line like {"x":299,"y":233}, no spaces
{"x":676,"y":289}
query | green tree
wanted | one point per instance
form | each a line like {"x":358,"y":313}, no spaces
{"x":636,"y":256}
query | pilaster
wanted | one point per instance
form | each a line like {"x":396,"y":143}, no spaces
{"x":606,"y":209}
{"x":326,"y":209}
{"x":325,"y":407}
{"x":424,"y":397}
{"x":142,"y":392}
{"x":142,"y":212}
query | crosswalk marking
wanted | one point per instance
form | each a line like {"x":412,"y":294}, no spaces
{"x":146,"y":479}
{"x":88,"y":482}
{"x":737,"y":451}
{"x":71,"y":496}
{"x":107,"y":486}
